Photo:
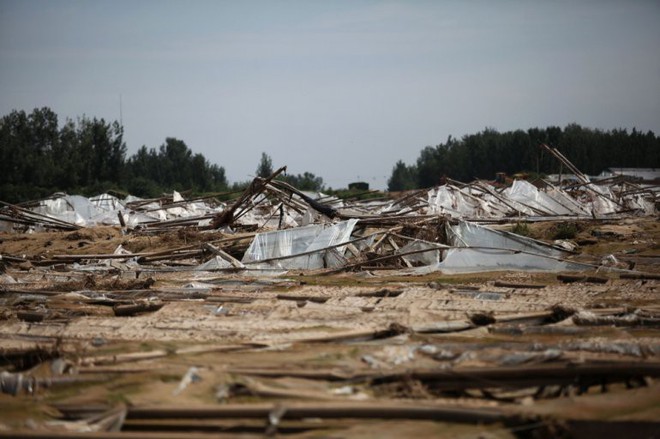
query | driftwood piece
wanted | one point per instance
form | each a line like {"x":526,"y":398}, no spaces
{"x":645,"y":276}
{"x":375,"y":410}
{"x":569,"y":278}
{"x":32,"y":316}
{"x":560,"y":373}
{"x":503,"y":284}
{"x":138,"y":308}
{"x":392,"y":330}
{"x":385,"y":292}
{"x":300,"y":298}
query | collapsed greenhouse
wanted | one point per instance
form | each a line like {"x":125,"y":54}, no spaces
{"x":470,"y":306}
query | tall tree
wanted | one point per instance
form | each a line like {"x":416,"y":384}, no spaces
{"x":403,"y":177}
{"x":265,"y":168}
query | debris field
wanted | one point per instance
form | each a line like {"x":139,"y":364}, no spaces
{"x":465,"y":310}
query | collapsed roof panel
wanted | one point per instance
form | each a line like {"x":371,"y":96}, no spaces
{"x":312,"y":241}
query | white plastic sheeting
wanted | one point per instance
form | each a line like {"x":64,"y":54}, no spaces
{"x":429,"y":257}
{"x":528,"y":195}
{"x":446,"y":200}
{"x":215,"y":263}
{"x":478,"y":249}
{"x":464,"y":203}
{"x":466,"y":234}
{"x":300,"y":240}
{"x":104,"y":209}
{"x":473,"y":260}
{"x":601,"y":204}
{"x":77,"y":210}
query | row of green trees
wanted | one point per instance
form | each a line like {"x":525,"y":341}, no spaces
{"x":88,"y":156}
{"x":484,"y":154}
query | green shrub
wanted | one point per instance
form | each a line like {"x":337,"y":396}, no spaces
{"x":521,"y":229}
{"x":565,"y":231}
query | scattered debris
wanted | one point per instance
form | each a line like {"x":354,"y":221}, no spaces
{"x":466,"y":303}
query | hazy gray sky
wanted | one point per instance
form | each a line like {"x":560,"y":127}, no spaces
{"x":342,"y":89}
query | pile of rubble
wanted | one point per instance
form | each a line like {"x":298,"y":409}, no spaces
{"x":258,"y":314}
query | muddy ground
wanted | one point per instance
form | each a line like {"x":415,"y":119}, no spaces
{"x":367,"y":353}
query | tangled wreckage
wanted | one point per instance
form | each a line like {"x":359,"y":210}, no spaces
{"x":465,"y":309}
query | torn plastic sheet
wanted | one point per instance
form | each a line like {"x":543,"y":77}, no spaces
{"x":601,"y":200}
{"x":447,"y":200}
{"x":567,"y":201}
{"x":479,"y":248}
{"x":430,"y":257}
{"x":639,"y":203}
{"x":77,"y":210}
{"x":475,"y":260}
{"x":527,"y":194}
{"x":467,"y":234}
{"x":301,"y":240}
{"x":215,"y":263}
{"x":269,"y":218}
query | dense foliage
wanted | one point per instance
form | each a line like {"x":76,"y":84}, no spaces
{"x":88,"y":156}
{"x":484,"y":154}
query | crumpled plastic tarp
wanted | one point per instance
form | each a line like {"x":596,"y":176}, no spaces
{"x":104,"y":209}
{"x":79,"y":210}
{"x":478,"y":249}
{"x":300,"y":240}
{"x":601,"y":205}
{"x":424,"y":258}
{"x":215,"y":263}
{"x":526,"y":194}
{"x":462,"y":203}
{"x":467,"y":234}
{"x":471,"y":260}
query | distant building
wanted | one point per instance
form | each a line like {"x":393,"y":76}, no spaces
{"x":358,"y":186}
{"x":565,"y":179}
{"x":646,"y":175}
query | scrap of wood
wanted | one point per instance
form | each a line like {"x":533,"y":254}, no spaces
{"x":569,"y":278}
{"x":392,"y":330}
{"x":382,"y":293}
{"x":645,"y":276}
{"x":302,"y":298}
{"x":503,"y":284}
{"x":103,"y":360}
{"x":31,"y":316}
{"x":370,"y":410}
{"x":137,"y":308}
{"x":223,"y":254}
{"x":256,"y":187}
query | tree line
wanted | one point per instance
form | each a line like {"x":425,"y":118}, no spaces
{"x":89,"y":156}
{"x":488,"y":152}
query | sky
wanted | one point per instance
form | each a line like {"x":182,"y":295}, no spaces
{"x":341,"y":89}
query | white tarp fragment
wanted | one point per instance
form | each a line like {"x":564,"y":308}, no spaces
{"x":301,"y":240}
{"x":467,"y":234}
{"x":430,"y":257}
{"x":527,"y":194}
{"x":215,"y":263}
{"x":479,"y":249}
{"x":601,"y":200}
{"x":473,"y":260}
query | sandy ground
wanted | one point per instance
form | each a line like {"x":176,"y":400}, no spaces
{"x":299,"y":326}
